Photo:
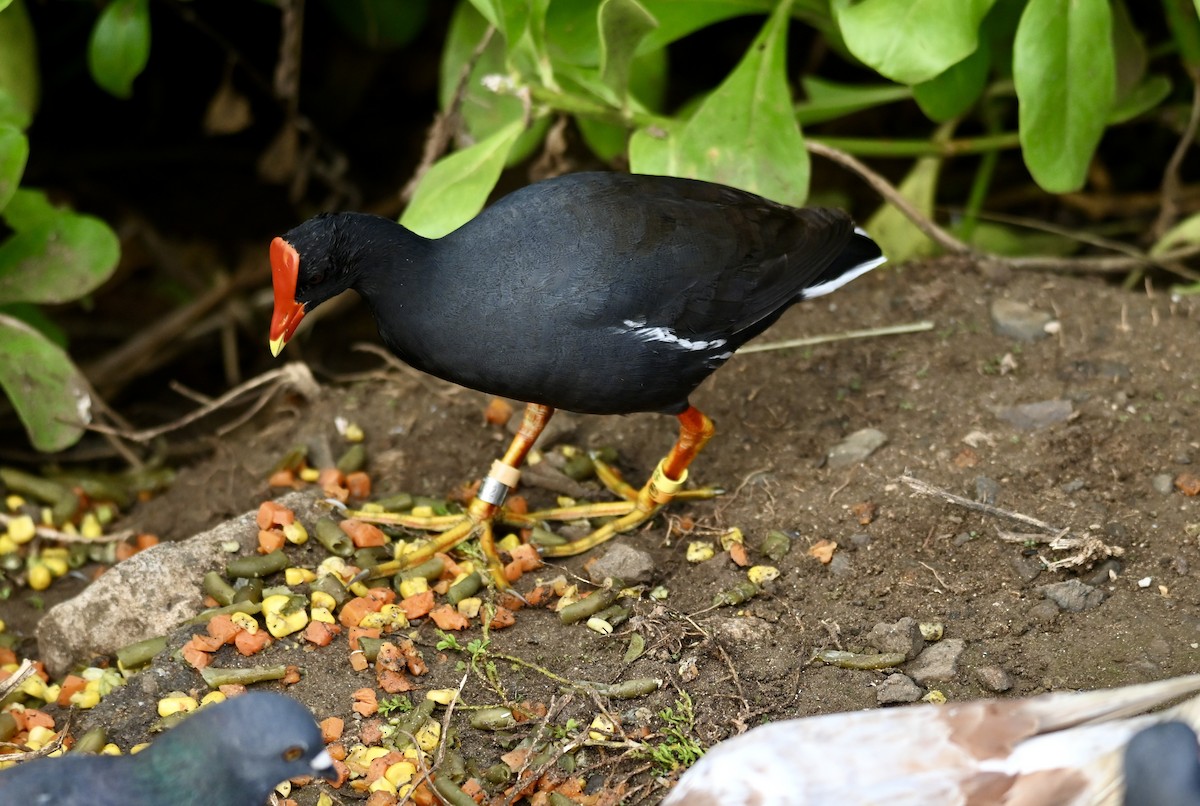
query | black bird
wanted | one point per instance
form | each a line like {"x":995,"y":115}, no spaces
{"x":228,"y":754}
{"x":1162,"y":767}
{"x":600,"y":293}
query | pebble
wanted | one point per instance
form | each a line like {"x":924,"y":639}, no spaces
{"x":1163,"y":483}
{"x":741,"y":630}
{"x":993,"y":679}
{"x":897,"y":689}
{"x":856,"y":447}
{"x":840,"y":565}
{"x":860,"y":540}
{"x":903,"y":637}
{"x":1035,"y":416}
{"x":1073,"y":486}
{"x":1027,"y":569}
{"x":1044,"y":612}
{"x":1100,"y":574}
{"x":1018,"y":320}
{"x":621,"y":561}
{"x":1073,"y":595}
{"x":938,"y":662}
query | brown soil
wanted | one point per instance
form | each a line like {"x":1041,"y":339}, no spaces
{"x":1125,"y":362}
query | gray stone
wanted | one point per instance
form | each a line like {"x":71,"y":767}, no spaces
{"x":150,"y":593}
{"x":1073,"y":486}
{"x":993,"y":679}
{"x":621,"y":561}
{"x":1044,"y":612}
{"x":744,"y":630}
{"x":856,"y":447}
{"x":1163,"y":483}
{"x":898,"y":689}
{"x":904,"y":637}
{"x":938,"y":662}
{"x":1027,"y":569}
{"x":840,"y":565}
{"x":1104,"y":573}
{"x":860,"y":540}
{"x":1018,"y":320}
{"x":1035,"y":416}
{"x":1073,"y":595}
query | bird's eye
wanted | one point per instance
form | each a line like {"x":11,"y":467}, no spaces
{"x":293,"y":753}
{"x":317,"y":278}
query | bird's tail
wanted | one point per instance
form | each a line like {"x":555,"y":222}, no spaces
{"x":860,"y":256}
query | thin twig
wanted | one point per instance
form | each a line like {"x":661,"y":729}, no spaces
{"x":925,"y":488}
{"x":1171,"y":183}
{"x":892,"y":330}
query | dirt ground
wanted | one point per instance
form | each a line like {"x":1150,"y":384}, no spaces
{"x":1124,"y":363}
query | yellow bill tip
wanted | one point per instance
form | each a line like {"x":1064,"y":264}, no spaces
{"x":277,"y":346}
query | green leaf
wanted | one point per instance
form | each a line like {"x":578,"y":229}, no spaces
{"x":898,"y":237}
{"x":911,"y":41}
{"x":1185,"y":233}
{"x":829,"y":100}
{"x":4,"y":4}
{"x":1129,"y":51}
{"x":37,"y":319}
{"x":120,"y":45}
{"x":455,"y":189}
{"x":18,"y":67}
{"x":647,"y":84}
{"x":623,"y":25}
{"x":57,"y":260}
{"x":744,"y":134}
{"x":955,"y":91}
{"x":484,"y":112}
{"x":1141,"y":99}
{"x":380,"y":24}
{"x":14,"y":151}
{"x":49,"y":394}
{"x":27,"y":208}
{"x":1002,"y":239}
{"x":1064,"y":74}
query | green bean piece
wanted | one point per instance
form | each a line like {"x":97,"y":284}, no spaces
{"x":333,"y":586}
{"x":776,"y":545}
{"x":8,"y":727}
{"x":411,"y":722}
{"x":630,"y":689}
{"x":77,"y":555}
{"x":466,"y":587}
{"x":498,"y":718}
{"x":431,"y":569}
{"x":293,"y":459}
{"x":586,"y":608}
{"x":353,"y":459}
{"x":498,"y":774}
{"x":579,"y":467}
{"x":370,"y":647}
{"x":452,"y":792}
{"x":331,"y":536}
{"x":739,"y":593}
{"x":614,"y":615}
{"x":372,"y":556}
{"x":542,"y":536}
{"x":91,"y":742}
{"x":65,"y":508}
{"x":30,"y":486}
{"x":559,"y":799}
{"x":215,"y":586}
{"x":205,"y":616}
{"x":257,"y":566}
{"x":637,"y":646}
{"x":141,"y":652}
{"x":251,"y":590}
{"x":453,"y":765}
{"x":253,"y":674}
{"x":854,"y":660}
{"x":396,"y":503}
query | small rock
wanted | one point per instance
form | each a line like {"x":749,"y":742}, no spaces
{"x":1163,"y":483}
{"x":986,"y":490}
{"x":1035,"y":416}
{"x":1018,"y":320}
{"x":1073,"y":486}
{"x":1103,"y":573}
{"x":938,"y":662}
{"x":993,"y":678}
{"x":962,"y":539}
{"x":621,"y":561}
{"x":745,"y":630}
{"x":1182,"y":458}
{"x":1073,"y":595}
{"x":898,"y":689}
{"x":1027,"y":569}
{"x":1044,"y":612}
{"x":903,"y":637}
{"x":860,"y":540}
{"x":840,"y":565}
{"x":856,"y":447}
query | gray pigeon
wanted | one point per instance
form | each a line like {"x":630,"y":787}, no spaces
{"x":1162,"y":767}
{"x":1061,"y":749}
{"x":229,"y":754}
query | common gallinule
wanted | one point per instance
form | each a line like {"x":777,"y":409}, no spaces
{"x":601,"y":293}
{"x":232,"y":753}
{"x":1061,"y":749}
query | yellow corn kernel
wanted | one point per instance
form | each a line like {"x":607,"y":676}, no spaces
{"x":309,"y":474}
{"x":14,"y":502}
{"x":604,"y":728}
{"x":412,"y":586}
{"x":727,"y":539}
{"x":298,"y":576}
{"x":323,"y":600}
{"x":57,"y":565}
{"x":393,"y":616}
{"x":508,"y":542}
{"x":284,"y":789}
{"x":400,"y":773}
{"x":324,"y":799}
{"x":354,"y":433}
{"x":700,"y":550}
{"x":86,"y":698}
{"x":283,"y":615}
{"x":211,"y":697}
{"x":176,"y":703}
{"x":139,"y":747}
{"x":759,"y":574}
{"x":22,"y":529}
{"x":423,"y":511}
{"x":382,"y":784}
{"x":442,"y":696}
{"x":469,"y":606}
{"x":7,"y":544}
{"x":39,"y":577}
{"x":39,"y":737}
{"x":297,"y":535}
{"x":321,"y":614}
{"x":246,"y":621}
{"x":110,"y":749}
{"x":371,"y":506}
{"x":428,"y":735}
{"x":362,"y":756}
{"x":47,"y":515}
{"x":359,"y":589}
{"x":90,"y":527}
{"x":68,"y":529}
{"x":3,"y":626}
{"x":34,"y":686}
{"x":412,"y":753}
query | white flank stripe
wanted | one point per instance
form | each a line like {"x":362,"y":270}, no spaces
{"x":821,"y":289}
